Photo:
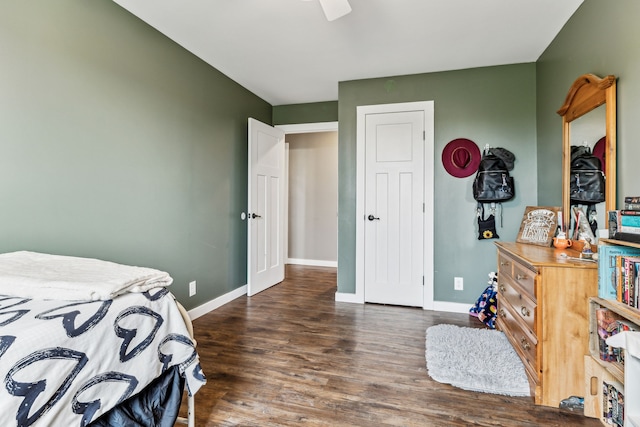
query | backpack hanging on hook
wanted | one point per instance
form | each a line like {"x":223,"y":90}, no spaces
{"x":493,"y":184}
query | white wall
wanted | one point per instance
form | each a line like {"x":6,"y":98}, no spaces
{"x":313,"y":198}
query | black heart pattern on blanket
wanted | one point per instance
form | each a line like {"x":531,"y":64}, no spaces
{"x":13,"y":315}
{"x":69,"y":317}
{"x":144,"y":314}
{"x":198,"y":373}
{"x":184,"y":352}
{"x":107,"y":384}
{"x":155,"y":294}
{"x":57,"y":360}
{"x":8,"y":302}
{"x":5,"y":343}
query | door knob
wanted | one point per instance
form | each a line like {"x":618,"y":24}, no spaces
{"x":254,"y":216}
{"x":371,"y":218}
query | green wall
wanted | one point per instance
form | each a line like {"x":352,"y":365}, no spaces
{"x":314,"y":112}
{"x":602,"y":38}
{"x":116,"y":143}
{"x":493,"y":105}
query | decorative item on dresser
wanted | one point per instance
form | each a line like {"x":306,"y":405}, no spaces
{"x":543,"y":311}
{"x":539,"y":225}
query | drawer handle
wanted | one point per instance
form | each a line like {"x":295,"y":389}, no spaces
{"x":502,"y":313}
{"x":525,"y":344}
{"x":502,"y":288}
{"x":520,"y":277}
{"x":525,"y":311}
{"x":504,"y":263}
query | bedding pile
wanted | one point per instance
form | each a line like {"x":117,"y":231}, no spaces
{"x":66,"y":362}
{"x":36,"y":275}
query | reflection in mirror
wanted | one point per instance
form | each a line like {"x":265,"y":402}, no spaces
{"x":589,"y":105}
{"x":587,"y":130}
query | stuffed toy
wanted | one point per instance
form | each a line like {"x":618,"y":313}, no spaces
{"x":486,"y":307}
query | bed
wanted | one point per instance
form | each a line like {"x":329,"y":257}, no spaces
{"x":86,"y":342}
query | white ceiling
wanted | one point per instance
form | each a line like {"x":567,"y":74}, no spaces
{"x":286,"y":52}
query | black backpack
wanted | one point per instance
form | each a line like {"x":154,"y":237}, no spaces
{"x":492,"y":183}
{"x":587,"y":182}
{"x":586,"y":185}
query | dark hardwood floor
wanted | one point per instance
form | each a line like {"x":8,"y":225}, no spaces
{"x":292,"y":356}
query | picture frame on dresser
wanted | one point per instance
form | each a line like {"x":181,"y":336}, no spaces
{"x":539,"y":225}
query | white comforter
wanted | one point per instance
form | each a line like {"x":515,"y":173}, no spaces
{"x":78,"y":336}
{"x":35,"y":275}
{"x":64,"y":363}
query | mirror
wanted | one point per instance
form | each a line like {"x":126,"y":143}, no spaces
{"x":589,"y":131}
{"x":589,"y":114}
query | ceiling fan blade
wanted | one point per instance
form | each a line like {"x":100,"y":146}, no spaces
{"x":334,"y":9}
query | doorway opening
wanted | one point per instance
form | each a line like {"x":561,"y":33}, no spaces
{"x":311,"y":208}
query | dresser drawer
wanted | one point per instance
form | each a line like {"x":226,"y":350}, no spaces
{"x":521,"y":303}
{"x":505,"y":266}
{"x":525,"y":278}
{"x":523,"y":343}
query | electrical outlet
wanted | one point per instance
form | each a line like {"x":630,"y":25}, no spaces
{"x":192,"y":288}
{"x":458,"y":283}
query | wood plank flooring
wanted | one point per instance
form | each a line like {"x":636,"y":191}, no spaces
{"x":292,"y":356}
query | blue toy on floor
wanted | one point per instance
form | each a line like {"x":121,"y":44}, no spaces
{"x":486,"y":308}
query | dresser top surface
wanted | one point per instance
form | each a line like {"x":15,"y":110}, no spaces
{"x":540,"y":256}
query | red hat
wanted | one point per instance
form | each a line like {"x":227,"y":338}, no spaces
{"x":598,"y":151}
{"x":461,"y":157}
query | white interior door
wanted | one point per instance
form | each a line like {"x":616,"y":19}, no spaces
{"x":266,"y":213}
{"x":394,"y":208}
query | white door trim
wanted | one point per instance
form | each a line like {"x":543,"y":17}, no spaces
{"x":300,"y":128}
{"x":309,"y":127}
{"x":427,"y":107}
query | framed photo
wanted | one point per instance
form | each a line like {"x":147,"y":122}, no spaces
{"x":539,"y":225}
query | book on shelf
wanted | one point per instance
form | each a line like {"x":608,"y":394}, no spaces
{"x":629,"y":229}
{"x":623,"y":221}
{"x":613,"y":220}
{"x":607,"y":327}
{"x":613,"y":403}
{"x":629,"y":222}
{"x":632,"y":199}
{"x":626,"y":237}
{"x":626,"y":278}
{"x":607,"y":272}
{"x":632,"y":206}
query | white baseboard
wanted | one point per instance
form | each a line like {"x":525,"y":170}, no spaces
{"x":312,"y":262}
{"x":205,"y":308}
{"x":451,"y":307}
{"x":344,"y":297}
{"x":201,"y":310}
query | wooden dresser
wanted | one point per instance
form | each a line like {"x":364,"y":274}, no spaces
{"x":543,"y":310}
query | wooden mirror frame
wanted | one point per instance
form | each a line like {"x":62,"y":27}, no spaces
{"x":587,"y":93}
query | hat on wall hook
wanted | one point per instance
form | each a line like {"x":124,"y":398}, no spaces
{"x":461,"y":157}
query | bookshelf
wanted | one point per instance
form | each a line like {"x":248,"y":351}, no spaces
{"x":599,"y":371}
